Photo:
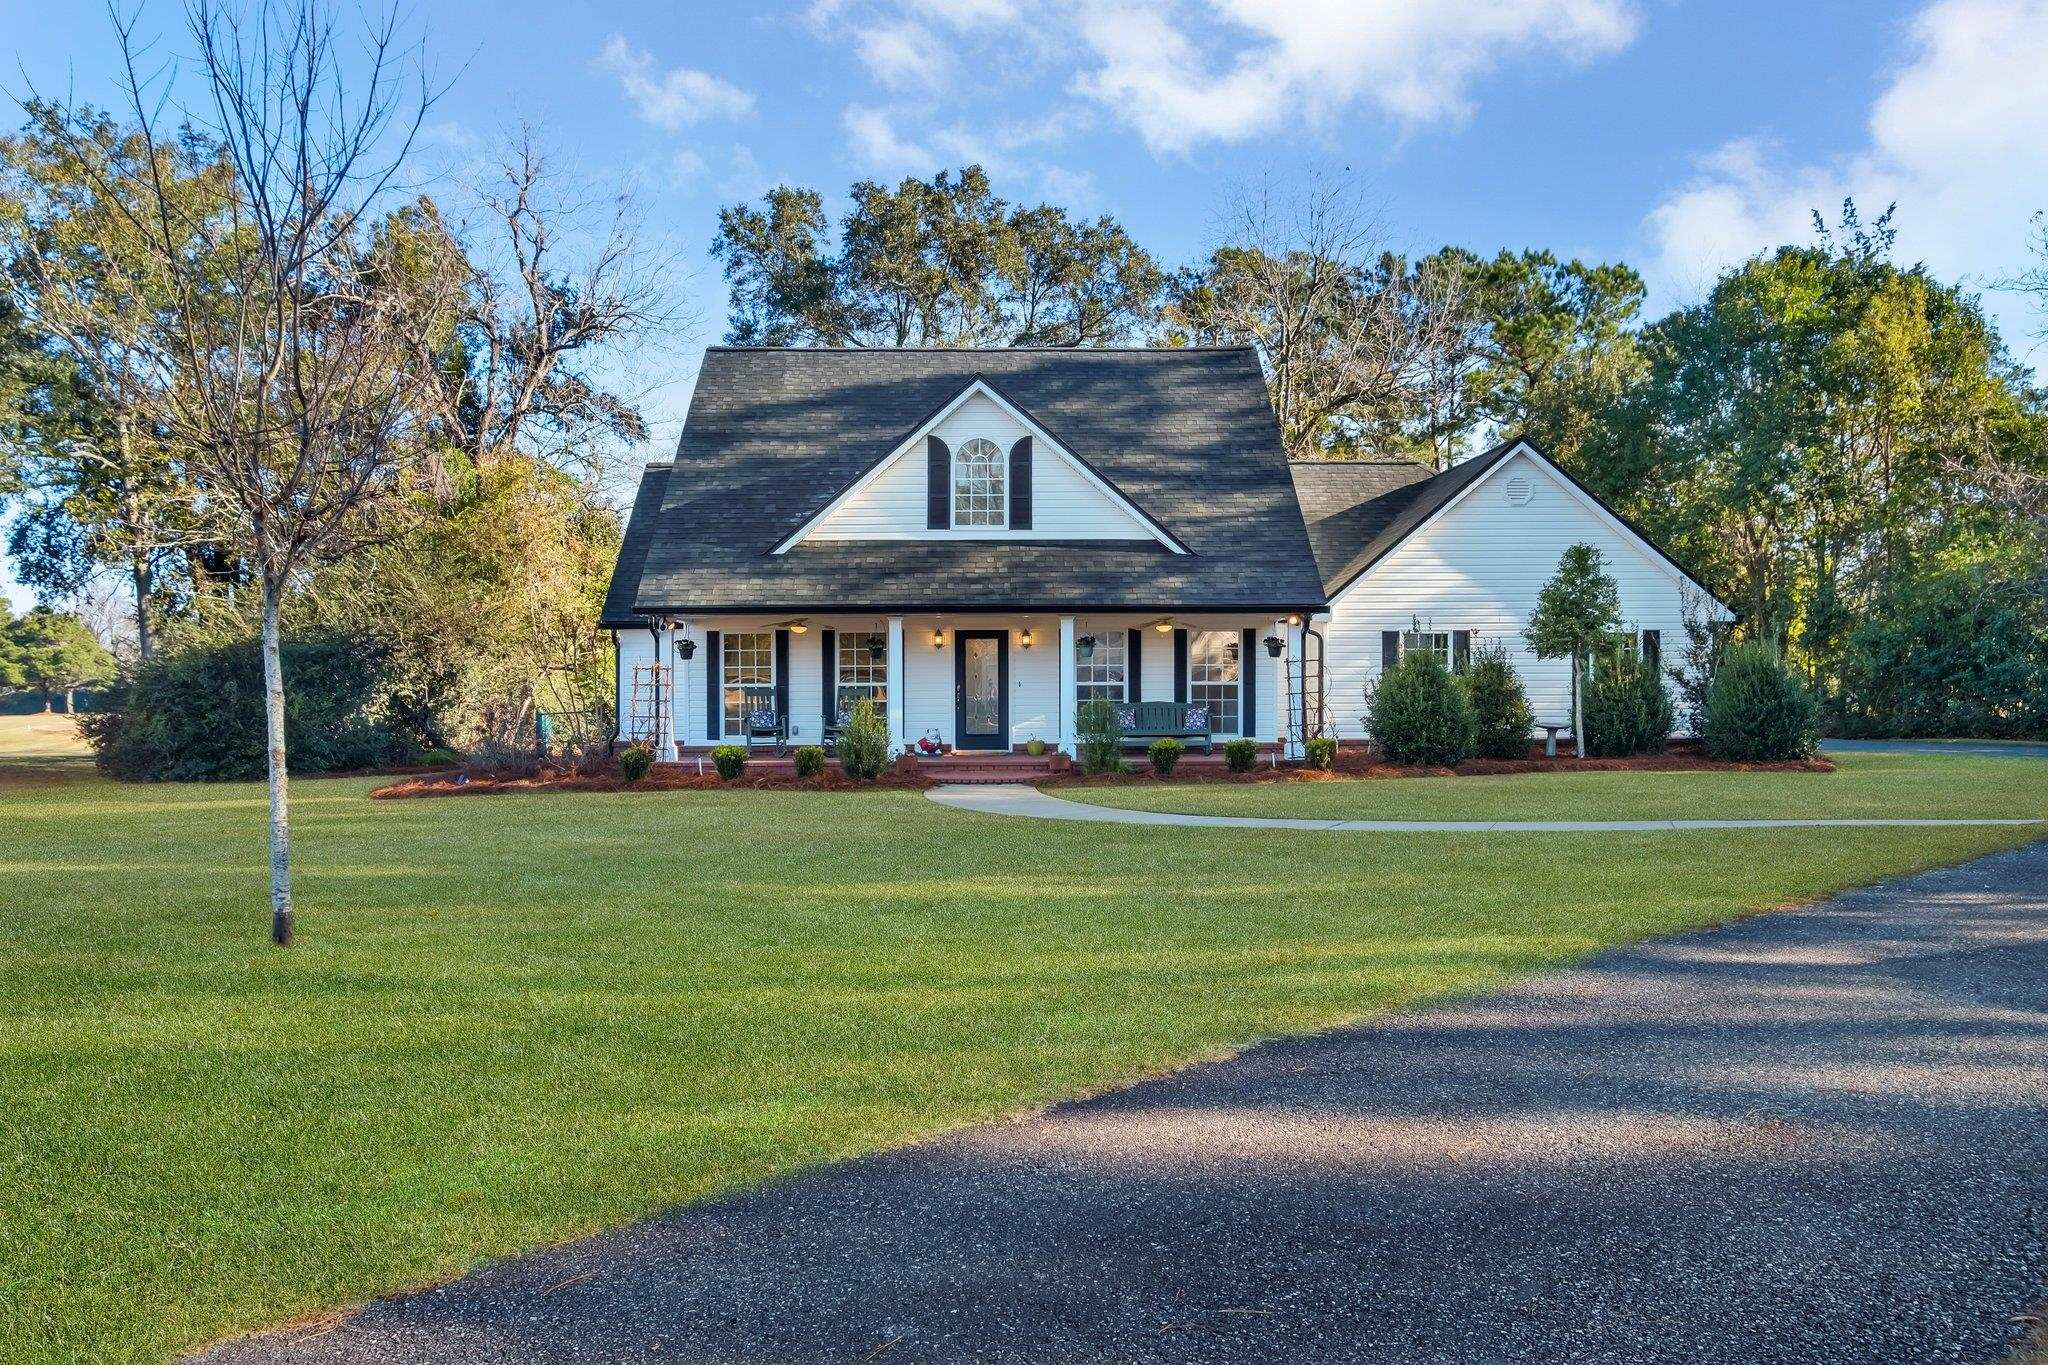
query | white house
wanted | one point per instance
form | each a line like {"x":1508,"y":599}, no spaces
{"x":980,"y":540}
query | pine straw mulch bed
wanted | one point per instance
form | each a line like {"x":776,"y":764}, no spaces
{"x":664,"y":778}
{"x":1353,"y":763}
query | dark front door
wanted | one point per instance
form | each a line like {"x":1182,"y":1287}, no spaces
{"x":981,"y":689}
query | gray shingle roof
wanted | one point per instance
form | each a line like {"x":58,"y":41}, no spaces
{"x":774,"y":435}
{"x":1359,"y":510}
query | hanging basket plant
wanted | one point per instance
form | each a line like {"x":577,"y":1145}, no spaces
{"x":1086,"y":645}
{"x":1273,"y":644}
{"x":877,"y":647}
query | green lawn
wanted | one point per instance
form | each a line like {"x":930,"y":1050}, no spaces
{"x":1864,"y":785}
{"x":518,"y":1018}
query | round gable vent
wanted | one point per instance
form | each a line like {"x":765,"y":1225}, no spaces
{"x":1520,"y":490}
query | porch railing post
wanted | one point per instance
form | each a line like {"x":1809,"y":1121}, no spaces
{"x":665,"y":717}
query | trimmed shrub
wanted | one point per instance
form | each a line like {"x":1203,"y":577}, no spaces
{"x":1240,"y":754}
{"x":1419,"y":714}
{"x":730,"y":760}
{"x":634,"y":761}
{"x":1627,"y":709}
{"x":810,"y":760}
{"x":1165,"y":753}
{"x":1320,"y":752}
{"x":1757,"y":711}
{"x":864,"y":743}
{"x":1500,"y":708}
{"x":1098,"y":736}
{"x":196,"y":713}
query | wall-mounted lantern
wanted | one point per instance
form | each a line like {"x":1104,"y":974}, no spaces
{"x":1024,"y":637}
{"x":939,"y":638}
{"x":1273,"y":645}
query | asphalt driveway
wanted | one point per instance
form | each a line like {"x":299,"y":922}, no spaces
{"x":1819,"y":1135}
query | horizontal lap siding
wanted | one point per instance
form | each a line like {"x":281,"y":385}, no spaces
{"x":1479,"y":568}
{"x":1065,"y":505}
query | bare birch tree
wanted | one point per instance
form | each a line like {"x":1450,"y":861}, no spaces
{"x":293,"y":405}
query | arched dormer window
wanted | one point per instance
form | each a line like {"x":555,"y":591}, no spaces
{"x":980,"y":493}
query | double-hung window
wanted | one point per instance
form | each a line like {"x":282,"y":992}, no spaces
{"x":748,"y":660}
{"x":980,"y":484}
{"x":1104,"y":670}
{"x":863,"y":671}
{"x":1437,"y":642}
{"x":1213,"y":677}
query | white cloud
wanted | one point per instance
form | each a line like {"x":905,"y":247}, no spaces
{"x":901,"y":54}
{"x":674,"y":98}
{"x":877,"y":144}
{"x":1249,"y":67}
{"x":685,"y":165}
{"x":1954,"y":139}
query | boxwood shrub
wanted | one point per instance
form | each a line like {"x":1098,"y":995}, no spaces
{"x":1240,"y":754}
{"x":810,"y":760}
{"x":1165,"y":752}
{"x":730,"y":760}
{"x":634,"y":761}
{"x":1419,"y":714}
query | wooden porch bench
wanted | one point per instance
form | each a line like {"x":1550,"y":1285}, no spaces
{"x":1150,"y":720}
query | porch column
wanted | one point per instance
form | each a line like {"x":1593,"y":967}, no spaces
{"x":1296,"y":685}
{"x":1068,"y":686}
{"x":671,"y":695}
{"x":896,"y":685}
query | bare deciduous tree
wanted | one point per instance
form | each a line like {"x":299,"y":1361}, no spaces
{"x":293,"y":396}
{"x":1349,"y":337}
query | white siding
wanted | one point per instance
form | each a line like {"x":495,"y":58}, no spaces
{"x":1478,"y":567}
{"x":1065,"y":504}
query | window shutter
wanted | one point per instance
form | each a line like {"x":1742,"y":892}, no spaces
{"x":1134,"y":665}
{"x":782,"y":677}
{"x":828,"y":669}
{"x":714,"y":705}
{"x":1248,"y":682}
{"x":1461,"y":649}
{"x":1020,"y":485}
{"x":1180,"y":667}
{"x":938,"y":463}
{"x":1653,"y":649}
{"x":1390,"y":650}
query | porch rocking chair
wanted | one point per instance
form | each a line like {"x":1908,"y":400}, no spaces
{"x":761,"y":719}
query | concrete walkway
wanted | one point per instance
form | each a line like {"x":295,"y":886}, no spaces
{"x":1029,"y":801}
{"x":1809,"y":1136}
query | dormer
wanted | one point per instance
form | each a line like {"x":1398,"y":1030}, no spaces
{"x":981,"y":468}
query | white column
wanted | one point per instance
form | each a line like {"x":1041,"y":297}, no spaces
{"x":1064,"y":703}
{"x":897,"y":699}
{"x":665,"y":655}
{"x":1295,"y":683}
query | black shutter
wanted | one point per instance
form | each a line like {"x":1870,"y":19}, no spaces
{"x":782,"y":677}
{"x":1020,"y":485}
{"x":938,"y":485}
{"x":1134,"y":665}
{"x":714,"y":705}
{"x":828,"y":669}
{"x":1248,"y":682}
{"x":1390,"y":650}
{"x":1180,"y":666}
{"x":1461,"y":649}
{"x":1653,"y":650}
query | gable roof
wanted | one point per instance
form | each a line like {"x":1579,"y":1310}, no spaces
{"x":775,"y":435}
{"x":1354,"y":537}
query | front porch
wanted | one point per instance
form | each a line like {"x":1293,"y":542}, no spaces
{"x":969,"y":767}
{"x":984,"y":683}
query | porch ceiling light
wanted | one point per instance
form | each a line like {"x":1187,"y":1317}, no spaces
{"x":798,"y":627}
{"x":1164,"y":625}
{"x":1294,"y":618}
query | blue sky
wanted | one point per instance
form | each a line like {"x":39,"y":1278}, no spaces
{"x":1678,"y":135}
